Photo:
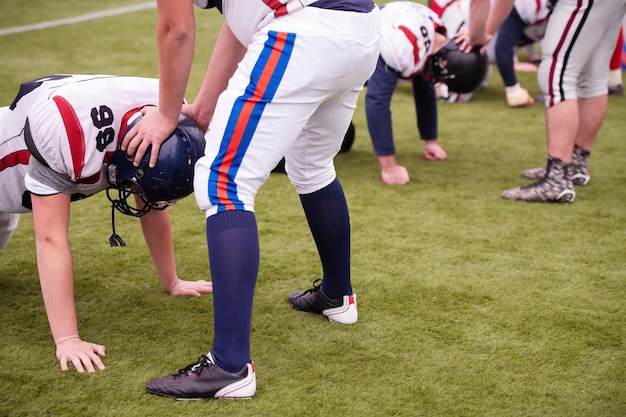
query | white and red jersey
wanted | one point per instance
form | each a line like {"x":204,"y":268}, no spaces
{"x":245,"y":18}
{"x":532,"y":11}
{"x":440,"y":6}
{"x":407,"y":36}
{"x":74,"y":124}
{"x":535,"y":14}
{"x":454,"y":15}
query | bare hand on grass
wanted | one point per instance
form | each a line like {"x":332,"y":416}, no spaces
{"x":83,"y":355}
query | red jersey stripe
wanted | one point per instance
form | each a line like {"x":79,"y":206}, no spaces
{"x":15,"y":158}
{"x":413,"y":39}
{"x":75,"y":134}
{"x":279,"y":8}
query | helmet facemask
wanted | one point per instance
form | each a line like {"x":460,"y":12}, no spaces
{"x":125,"y":188}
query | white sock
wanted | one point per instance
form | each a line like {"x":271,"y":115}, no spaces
{"x":514,"y":89}
{"x":615,"y":77}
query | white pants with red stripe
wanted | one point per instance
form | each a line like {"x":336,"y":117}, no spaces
{"x":577,"y":48}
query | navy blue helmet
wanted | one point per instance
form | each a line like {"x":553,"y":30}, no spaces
{"x":167,"y":182}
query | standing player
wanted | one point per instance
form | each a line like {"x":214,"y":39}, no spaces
{"x":573,"y":75}
{"x":58,"y":143}
{"x":288,"y":75}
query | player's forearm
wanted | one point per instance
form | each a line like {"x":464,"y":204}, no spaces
{"x":227,"y":53}
{"x":176,"y":43}
{"x":57,"y":288}
{"x":157,"y":231}
{"x":51,"y":216}
{"x":479,"y":11}
{"x":499,"y":11}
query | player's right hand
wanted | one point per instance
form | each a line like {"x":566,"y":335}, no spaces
{"x":152,"y":130}
{"x":463,"y":38}
{"x":83,"y":355}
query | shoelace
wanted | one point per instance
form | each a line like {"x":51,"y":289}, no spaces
{"x":196,"y":368}
{"x":317,"y":285}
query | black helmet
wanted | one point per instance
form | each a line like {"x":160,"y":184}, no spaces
{"x":461,"y":72}
{"x":161,"y":186}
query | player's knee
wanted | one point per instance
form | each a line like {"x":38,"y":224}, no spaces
{"x":312,"y":183}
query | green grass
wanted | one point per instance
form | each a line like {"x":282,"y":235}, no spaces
{"x":469,"y":305}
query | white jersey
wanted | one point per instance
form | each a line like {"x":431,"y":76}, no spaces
{"x":440,"y":6}
{"x":74,"y":124}
{"x":535,"y":15}
{"x":245,"y":18}
{"x":455,"y":16}
{"x":407,"y":36}
{"x":532,"y":12}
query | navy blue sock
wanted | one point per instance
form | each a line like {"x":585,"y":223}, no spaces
{"x":233,"y":244}
{"x":327,"y":213}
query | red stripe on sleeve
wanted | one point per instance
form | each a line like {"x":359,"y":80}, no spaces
{"x":75,"y":134}
{"x":14,"y":158}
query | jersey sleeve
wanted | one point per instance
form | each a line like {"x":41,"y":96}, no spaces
{"x":41,"y":180}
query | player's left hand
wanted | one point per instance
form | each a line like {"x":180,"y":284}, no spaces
{"x":152,"y":130}
{"x":190,"y":110}
{"x":192,"y":288}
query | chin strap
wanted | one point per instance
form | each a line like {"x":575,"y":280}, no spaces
{"x":115,"y":239}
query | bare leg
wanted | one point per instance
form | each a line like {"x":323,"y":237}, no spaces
{"x":592,"y":112}
{"x":562,"y":124}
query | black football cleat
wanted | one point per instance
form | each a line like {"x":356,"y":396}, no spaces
{"x":205,"y":379}
{"x":313,"y":300}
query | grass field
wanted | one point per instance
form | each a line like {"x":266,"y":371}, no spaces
{"x":469,"y":305}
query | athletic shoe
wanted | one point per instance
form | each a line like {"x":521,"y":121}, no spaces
{"x":534,"y":173}
{"x":579,"y":173}
{"x":205,"y":379}
{"x":519,"y":98}
{"x":555,"y":187}
{"x":342,"y":310}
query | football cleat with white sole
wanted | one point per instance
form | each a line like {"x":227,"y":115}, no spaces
{"x":313,"y":300}
{"x":555,"y":187}
{"x":205,"y":379}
